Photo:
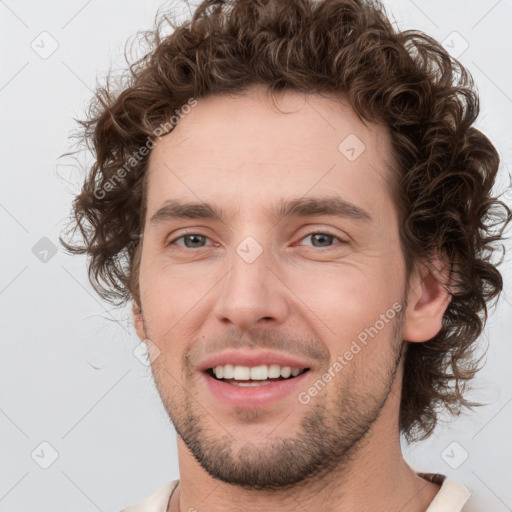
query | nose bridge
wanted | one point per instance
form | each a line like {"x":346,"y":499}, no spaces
{"x":251,"y":290}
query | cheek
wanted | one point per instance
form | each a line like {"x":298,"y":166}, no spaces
{"x":346,"y":304}
{"x":171,"y":296}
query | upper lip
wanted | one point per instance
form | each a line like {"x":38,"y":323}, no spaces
{"x":252,"y":358}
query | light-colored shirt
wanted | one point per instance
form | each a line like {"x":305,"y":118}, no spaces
{"x":451,"y":497}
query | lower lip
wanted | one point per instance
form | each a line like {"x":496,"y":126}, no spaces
{"x":248,"y":397}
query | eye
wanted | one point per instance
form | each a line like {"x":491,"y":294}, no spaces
{"x":197,"y":241}
{"x":191,"y":240}
{"x":323,"y":239}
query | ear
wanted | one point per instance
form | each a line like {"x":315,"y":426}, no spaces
{"x":427,"y":300}
{"x":138,"y":321}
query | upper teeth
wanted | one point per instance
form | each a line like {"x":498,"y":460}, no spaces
{"x":272,"y":371}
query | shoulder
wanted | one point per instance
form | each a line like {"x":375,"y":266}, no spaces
{"x":452,"y":496}
{"x":157,"y":502}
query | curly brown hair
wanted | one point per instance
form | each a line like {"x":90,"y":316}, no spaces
{"x":405,"y":80}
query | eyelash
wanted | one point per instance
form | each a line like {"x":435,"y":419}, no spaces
{"x":328,"y":233}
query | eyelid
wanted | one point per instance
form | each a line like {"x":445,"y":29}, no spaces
{"x":325,"y":232}
{"x":183,"y":235}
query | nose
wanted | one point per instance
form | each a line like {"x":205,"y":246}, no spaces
{"x":252,"y":294}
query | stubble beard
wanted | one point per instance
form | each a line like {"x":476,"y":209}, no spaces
{"x":328,"y":437}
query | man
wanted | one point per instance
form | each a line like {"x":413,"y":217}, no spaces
{"x":294,"y":199}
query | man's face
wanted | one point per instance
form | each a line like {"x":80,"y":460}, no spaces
{"x":257,"y":296}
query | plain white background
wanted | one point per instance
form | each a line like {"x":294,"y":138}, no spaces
{"x":70,"y":379}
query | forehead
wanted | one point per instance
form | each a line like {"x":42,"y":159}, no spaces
{"x":246,"y":150}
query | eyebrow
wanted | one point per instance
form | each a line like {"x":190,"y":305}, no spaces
{"x":298,"y":207}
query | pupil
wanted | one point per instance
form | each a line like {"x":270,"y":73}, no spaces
{"x":322,"y":235}
{"x":192,"y":237}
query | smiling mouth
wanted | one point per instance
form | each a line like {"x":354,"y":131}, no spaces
{"x":261,"y":375}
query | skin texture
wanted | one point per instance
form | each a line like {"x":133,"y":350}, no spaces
{"x":306,"y":296}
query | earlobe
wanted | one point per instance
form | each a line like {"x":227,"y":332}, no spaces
{"x":428,"y":298}
{"x":138,"y":321}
